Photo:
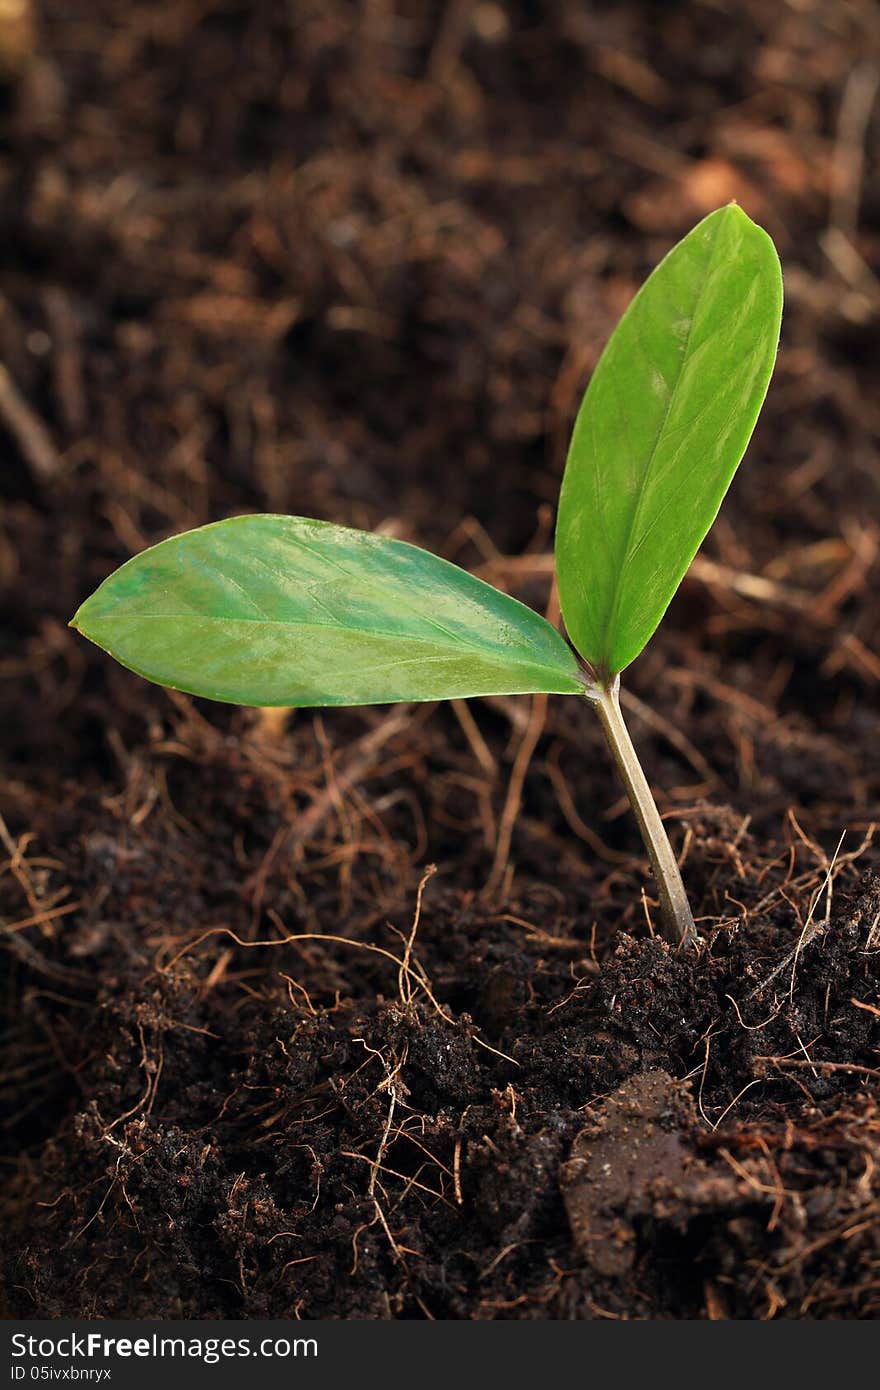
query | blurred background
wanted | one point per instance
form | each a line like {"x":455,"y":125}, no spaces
{"x":356,"y":259}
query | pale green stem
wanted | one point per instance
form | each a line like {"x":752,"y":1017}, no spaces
{"x":675,"y":912}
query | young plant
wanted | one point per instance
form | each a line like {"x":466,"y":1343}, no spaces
{"x":279,"y":610}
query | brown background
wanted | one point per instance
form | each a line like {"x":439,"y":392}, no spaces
{"x":357,"y":261}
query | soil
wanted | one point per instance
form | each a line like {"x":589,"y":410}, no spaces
{"x":357,"y":262}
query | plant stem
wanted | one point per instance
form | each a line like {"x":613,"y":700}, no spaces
{"x":675,"y":911}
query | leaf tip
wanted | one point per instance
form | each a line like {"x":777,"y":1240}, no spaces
{"x":76,"y":622}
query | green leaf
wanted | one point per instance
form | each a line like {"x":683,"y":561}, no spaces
{"x":282,"y":610}
{"x":663,"y":425}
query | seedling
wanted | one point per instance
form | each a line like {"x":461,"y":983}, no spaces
{"x":280,"y":610}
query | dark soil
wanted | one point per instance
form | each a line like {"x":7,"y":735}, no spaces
{"x":357,"y":261}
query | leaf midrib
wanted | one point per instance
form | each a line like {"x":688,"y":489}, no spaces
{"x":524,"y":657}
{"x":646,"y":472}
